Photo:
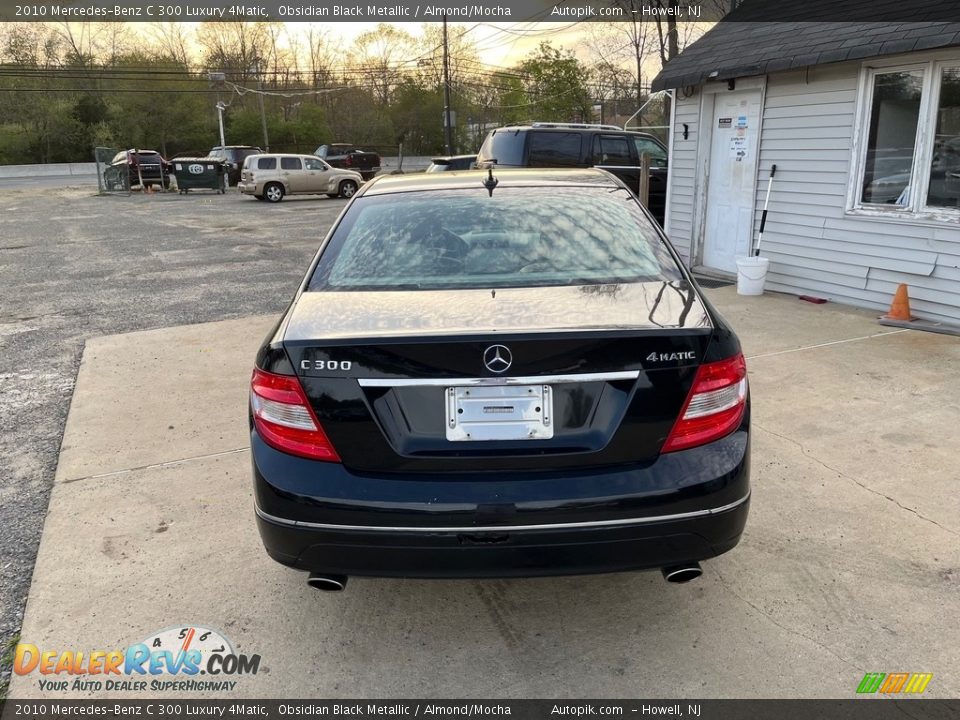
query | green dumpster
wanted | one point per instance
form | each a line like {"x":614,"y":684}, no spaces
{"x":200,"y":172}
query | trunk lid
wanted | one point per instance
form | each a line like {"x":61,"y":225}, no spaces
{"x":612,"y":364}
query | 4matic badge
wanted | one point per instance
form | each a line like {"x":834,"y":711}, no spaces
{"x":671,"y":357}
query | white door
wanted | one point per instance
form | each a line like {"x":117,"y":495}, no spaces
{"x":731,"y":182}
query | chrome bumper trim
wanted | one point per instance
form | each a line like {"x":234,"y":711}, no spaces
{"x":505,"y":528}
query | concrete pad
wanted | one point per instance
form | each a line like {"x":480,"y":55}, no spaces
{"x":161,"y":395}
{"x":849,"y":564}
{"x":777,"y":323}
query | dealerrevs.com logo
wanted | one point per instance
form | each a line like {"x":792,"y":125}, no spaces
{"x":181,"y":658}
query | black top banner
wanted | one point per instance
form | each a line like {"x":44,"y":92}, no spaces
{"x":480,"y":11}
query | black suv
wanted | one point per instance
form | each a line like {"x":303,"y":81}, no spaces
{"x":576,"y":145}
{"x":234,"y":155}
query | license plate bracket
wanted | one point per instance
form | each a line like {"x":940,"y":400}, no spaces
{"x":499,"y":412}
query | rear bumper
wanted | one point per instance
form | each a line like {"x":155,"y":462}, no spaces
{"x":685,"y":507}
{"x":525,"y":551}
{"x":247,"y":188}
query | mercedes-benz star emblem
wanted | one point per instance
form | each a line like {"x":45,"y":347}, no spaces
{"x":497,"y":358}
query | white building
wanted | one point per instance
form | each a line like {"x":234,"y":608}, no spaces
{"x":862,"y":121}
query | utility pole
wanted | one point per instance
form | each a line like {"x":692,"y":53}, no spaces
{"x":447,"y":125}
{"x":217,"y":79}
{"x":221,"y":106}
{"x":263,"y":113}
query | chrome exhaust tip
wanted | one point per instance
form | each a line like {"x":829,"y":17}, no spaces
{"x":327,"y":583}
{"x":682,"y":573}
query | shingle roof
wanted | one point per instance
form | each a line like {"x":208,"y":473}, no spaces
{"x":764,"y":36}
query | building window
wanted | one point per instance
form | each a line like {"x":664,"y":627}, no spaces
{"x":891,"y":139}
{"x":944,"y":185}
{"x":910,"y":153}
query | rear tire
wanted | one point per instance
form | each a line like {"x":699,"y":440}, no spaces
{"x":273,"y":192}
{"x":348,"y":188}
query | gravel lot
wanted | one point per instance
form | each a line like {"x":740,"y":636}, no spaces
{"x":74,"y":265}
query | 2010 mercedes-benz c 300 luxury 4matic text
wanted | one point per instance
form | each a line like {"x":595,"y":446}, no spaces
{"x":503,"y":373}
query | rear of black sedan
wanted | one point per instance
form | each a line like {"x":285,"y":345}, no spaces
{"x":503,"y":374}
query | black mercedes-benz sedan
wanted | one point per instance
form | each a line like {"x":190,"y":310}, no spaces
{"x":498,"y":373}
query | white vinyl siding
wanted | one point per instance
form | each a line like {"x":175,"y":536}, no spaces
{"x":682,"y":173}
{"x":815,"y":246}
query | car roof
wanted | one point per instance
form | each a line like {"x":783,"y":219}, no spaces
{"x":506,"y":178}
{"x":573,"y":127}
{"x":448,"y":158}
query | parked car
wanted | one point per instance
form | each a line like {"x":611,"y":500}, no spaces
{"x":576,"y":145}
{"x":451,"y":162}
{"x":131,"y":167}
{"x":349,"y":157}
{"x":234,"y":155}
{"x":272,"y":176}
{"x":503,"y":374}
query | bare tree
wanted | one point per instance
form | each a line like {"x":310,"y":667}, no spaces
{"x":236,"y":47}
{"x":463,"y":58}
{"x":31,"y":45}
{"x":172,"y":40}
{"x":380,"y":58}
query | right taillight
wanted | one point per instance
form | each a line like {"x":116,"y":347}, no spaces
{"x":714,"y":407}
{"x":284,"y":419}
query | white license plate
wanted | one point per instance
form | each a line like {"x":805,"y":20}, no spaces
{"x":499,"y":412}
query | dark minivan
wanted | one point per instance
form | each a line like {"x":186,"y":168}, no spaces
{"x":576,"y":145}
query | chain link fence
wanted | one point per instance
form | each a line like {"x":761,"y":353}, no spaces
{"x":113,"y":178}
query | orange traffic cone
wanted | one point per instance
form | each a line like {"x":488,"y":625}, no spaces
{"x":900,"y":307}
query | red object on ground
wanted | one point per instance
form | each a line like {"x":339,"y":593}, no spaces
{"x":812,"y":299}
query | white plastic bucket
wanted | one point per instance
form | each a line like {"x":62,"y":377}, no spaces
{"x":751,"y":275}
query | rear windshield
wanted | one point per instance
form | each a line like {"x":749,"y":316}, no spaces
{"x":505,"y":146}
{"x":519,"y":237}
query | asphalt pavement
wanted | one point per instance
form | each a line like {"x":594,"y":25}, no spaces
{"x":75,"y":265}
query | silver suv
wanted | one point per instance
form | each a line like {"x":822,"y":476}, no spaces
{"x":272,"y":176}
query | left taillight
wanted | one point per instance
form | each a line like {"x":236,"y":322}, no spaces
{"x":284,"y":419}
{"x":714,"y":407}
